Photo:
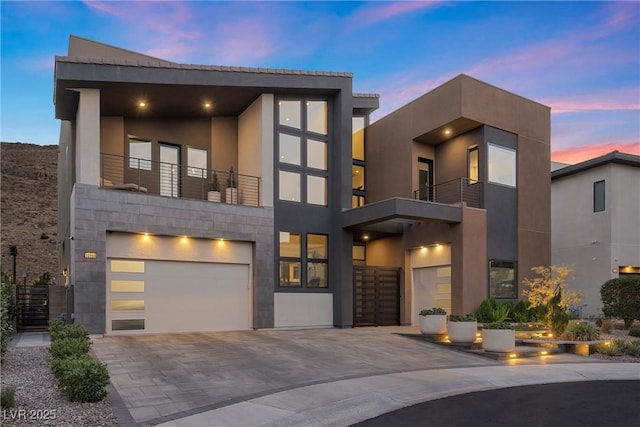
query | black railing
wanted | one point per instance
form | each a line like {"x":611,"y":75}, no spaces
{"x":167,"y":179}
{"x":454,"y":191}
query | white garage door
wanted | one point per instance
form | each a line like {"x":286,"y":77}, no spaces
{"x":174,"y":296}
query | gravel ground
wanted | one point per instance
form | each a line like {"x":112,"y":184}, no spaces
{"x":39,"y":402}
{"x":616,"y":333}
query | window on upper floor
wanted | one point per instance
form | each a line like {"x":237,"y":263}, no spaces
{"x":502,"y":165}
{"x":598,"y":196}
{"x":196,"y":162}
{"x":358,"y":158}
{"x":303,"y":147}
{"x":472,"y":164}
{"x":139,"y":154}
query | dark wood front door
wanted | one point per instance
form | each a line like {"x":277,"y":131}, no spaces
{"x":376,"y":299}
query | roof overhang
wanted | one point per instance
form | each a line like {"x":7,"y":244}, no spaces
{"x":180,"y":90}
{"x":389,"y":216}
{"x":613,"y":157}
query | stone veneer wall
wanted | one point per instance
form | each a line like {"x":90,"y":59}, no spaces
{"x":96,"y":211}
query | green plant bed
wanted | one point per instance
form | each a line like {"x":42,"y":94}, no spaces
{"x":69,"y":347}
{"x":83,"y":379}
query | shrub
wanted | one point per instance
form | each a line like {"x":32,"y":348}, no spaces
{"x":558,"y":315}
{"x":491,"y":310}
{"x":8,"y":397}
{"x":632,"y":348}
{"x":581,"y":331}
{"x":605,"y":326}
{"x":614,"y":347}
{"x":599,"y":321}
{"x":83,"y":379}
{"x":621,"y":298}
{"x":635,"y":331}
{"x":462,"y":318}
{"x":432,"y":311}
{"x":8,"y":311}
{"x":498,"y":325}
{"x":58,"y":330}
{"x":69,"y":348}
{"x":551,"y":280}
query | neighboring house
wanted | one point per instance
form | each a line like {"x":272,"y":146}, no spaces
{"x":322,"y":220}
{"x":595,"y":223}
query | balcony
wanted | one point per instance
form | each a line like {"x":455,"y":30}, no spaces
{"x":452,"y":192}
{"x":171,"y":180}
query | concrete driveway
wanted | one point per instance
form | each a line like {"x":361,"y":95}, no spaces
{"x":166,"y":377}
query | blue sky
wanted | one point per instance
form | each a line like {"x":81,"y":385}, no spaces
{"x":580,"y":58}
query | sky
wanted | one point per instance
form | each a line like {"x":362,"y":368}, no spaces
{"x":582,"y":59}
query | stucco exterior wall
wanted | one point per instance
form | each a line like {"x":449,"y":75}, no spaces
{"x":596,"y":244}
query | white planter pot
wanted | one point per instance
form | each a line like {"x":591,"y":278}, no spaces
{"x":213,"y":196}
{"x":462,"y":332}
{"x":231,"y":196}
{"x":433,"y":324}
{"x":499,"y":340}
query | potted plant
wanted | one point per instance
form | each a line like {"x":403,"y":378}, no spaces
{"x":462,"y":329}
{"x":213,"y":195}
{"x":499,"y":337}
{"x":232,"y":188}
{"x":433,"y":321}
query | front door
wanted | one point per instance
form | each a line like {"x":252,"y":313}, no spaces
{"x":376,"y":299}
{"x":169,"y":170}
{"x":425,"y":178}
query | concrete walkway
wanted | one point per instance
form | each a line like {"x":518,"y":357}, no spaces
{"x":30,"y":339}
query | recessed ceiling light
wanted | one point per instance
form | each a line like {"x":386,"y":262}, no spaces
{"x":447,"y":132}
{"x":207,"y":105}
{"x":142,"y":104}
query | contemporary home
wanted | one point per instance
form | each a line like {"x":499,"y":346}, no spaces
{"x":595,"y":223}
{"x":211,"y":198}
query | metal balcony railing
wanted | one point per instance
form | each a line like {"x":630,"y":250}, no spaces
{"x":454,"y":191}
{"x":167,"y":179}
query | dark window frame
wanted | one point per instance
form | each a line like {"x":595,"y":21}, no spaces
{"x":504,"y":264}
{"x":599,"y":203}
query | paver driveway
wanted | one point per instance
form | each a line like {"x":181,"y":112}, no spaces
{"x":164,"y":377}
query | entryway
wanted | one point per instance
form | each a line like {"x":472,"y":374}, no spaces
{"x":376,"y":299}
{"x":33,"y":308}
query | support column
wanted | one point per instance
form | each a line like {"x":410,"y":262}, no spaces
{"x":88,"y":137}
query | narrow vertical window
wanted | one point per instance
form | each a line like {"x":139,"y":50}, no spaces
{"x":317,"y":261}
{"x":472,"y":164}
{"x":598,"y":196}
{"x":289,"y":259}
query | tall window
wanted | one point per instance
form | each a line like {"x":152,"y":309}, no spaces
{"x":598,"y":196}
{"x":358,"y":167}
{"x":317,"y":262}
{"x":472,"y":164}
{"x":139,"y":154}
{"x":502,"y":279}
{"x":502,"y":165}
{"x":290,"y":259}
{"x":303,"y":151}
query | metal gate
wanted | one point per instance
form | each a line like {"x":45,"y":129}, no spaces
{"x":376,"y":299}
{"x":33,"y":308}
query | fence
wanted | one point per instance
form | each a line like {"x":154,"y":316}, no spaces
{"x":454,"y":191}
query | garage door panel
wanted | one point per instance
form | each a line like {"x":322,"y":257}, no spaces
{"x":191,"y":297}
{"x":182,"y":297}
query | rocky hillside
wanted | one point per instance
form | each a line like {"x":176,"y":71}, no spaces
{"x":29,"y":208}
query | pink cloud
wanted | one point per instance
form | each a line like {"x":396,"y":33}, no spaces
{"x":373,"y":13}
{"x":165,"y":24}
{"x":581,"y":153}
{"x":242,"y":41}
{"x":618,"y":99}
